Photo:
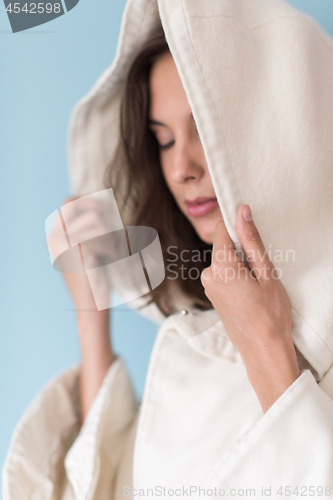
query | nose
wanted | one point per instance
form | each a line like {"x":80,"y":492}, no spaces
{"x":187,"y":162}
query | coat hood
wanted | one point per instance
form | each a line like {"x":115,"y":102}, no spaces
{"x":258,"y":75}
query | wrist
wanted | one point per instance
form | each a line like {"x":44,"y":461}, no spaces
{"x":88,"y":321}
{"x":271,"y":372}
{"x":94,"y":335}
{"x":96,"y":350}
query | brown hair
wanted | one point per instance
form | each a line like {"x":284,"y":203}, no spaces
{"x":137,"y":180}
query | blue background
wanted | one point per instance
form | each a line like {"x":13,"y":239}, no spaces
{"x":44,"y":72}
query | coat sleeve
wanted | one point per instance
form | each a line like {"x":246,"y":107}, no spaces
{"x":289,"y":452}
{"x":51,"y":458}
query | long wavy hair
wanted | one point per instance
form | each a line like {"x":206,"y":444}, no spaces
{"x":135,"y":174}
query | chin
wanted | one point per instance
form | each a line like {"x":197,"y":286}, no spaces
{"x":205,"y":226}
{"x":208,"y":240}
{"x":206,"y":236}
{"x":206,"y":231}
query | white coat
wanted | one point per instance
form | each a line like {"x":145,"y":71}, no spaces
{"x":258,"y":75}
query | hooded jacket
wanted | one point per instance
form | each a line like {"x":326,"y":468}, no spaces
{"x":258,"y":75}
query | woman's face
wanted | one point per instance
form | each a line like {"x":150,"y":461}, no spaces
{"x":182,"y":157}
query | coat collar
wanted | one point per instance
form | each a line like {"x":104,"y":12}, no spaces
{"x":205,"y":333}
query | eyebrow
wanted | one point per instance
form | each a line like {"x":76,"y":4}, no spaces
{"x":160,"y":124}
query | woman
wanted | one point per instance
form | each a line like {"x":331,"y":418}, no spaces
{"x":238,"y":396}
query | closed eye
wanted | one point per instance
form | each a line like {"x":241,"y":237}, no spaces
{"x":167,"y":146}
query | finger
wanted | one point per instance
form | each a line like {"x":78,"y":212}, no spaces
{"x":223,"y":248}
{"x":76,"y":206}
{"x":255,"y":252}
{"x":226,"y":264}
{"x":69,"y":199}
{"x":86,"y":220}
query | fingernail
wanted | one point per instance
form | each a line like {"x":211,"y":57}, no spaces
{"x":247,"y":214}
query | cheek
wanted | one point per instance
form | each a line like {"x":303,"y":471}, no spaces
{"x":163,"y":168}
{"x":166,"y":174}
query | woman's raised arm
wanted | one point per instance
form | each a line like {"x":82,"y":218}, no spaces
{"x":94,"y":337}
{"x":93,"y":325}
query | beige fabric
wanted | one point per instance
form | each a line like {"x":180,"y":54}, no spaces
{"x":51,"y":458}
{"x":200,"y":423}
{"x":259,"y":78}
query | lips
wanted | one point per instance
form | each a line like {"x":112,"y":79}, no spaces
{"x":201,"y":206}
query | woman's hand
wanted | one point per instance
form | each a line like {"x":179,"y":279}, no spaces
{"x":84,"y":219}
{"x":254,"y":308}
